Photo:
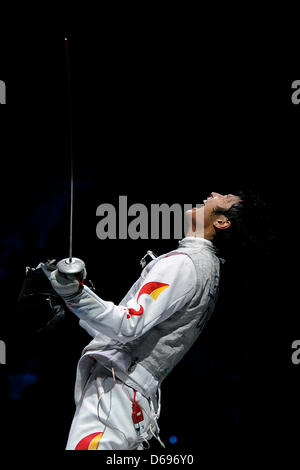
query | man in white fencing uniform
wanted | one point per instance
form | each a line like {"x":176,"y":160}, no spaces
{"x":138,"y":342}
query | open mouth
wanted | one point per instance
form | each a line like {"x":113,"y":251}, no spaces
{"x":205,"y":200}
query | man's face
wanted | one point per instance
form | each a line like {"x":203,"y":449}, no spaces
{"x":216,"y":200}
{"x":202,"y":218}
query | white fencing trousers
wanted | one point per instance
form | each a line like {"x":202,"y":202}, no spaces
{"x":103,"y":417}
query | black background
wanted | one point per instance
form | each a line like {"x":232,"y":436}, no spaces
{"x":158,"y":119}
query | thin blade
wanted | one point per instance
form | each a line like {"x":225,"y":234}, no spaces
{"x":71,"y":148}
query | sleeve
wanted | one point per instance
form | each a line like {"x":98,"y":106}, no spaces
{"x":88,"y":328}
{"x":168,"y":286}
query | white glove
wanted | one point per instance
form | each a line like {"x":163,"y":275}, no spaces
{"x":65,"y":285}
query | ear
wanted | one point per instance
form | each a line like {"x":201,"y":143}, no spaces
{"x":221,"y":222}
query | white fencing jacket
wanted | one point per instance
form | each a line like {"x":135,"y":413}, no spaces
{"x":156,"y":323}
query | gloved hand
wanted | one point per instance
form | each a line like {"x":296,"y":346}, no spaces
{"x":65,"y":285}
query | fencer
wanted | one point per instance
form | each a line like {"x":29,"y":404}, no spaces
{"x":137,"y":343}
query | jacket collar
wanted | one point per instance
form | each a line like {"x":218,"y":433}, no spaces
{"x":197,"y":242}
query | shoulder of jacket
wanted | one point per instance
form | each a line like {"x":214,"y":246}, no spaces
{"x":175,"y":259}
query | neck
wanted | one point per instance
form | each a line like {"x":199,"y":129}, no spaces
{"x":201,"y":233}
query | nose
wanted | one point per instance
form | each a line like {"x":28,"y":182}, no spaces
{"x":215,"y":194}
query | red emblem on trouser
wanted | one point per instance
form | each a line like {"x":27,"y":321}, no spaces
{"x":89,"y":442}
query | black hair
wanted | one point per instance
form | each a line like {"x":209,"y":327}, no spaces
{"x":250,"y":228}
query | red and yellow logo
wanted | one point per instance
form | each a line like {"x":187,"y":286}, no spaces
{"x":89,"y":442}
{"x":154,"y":289}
